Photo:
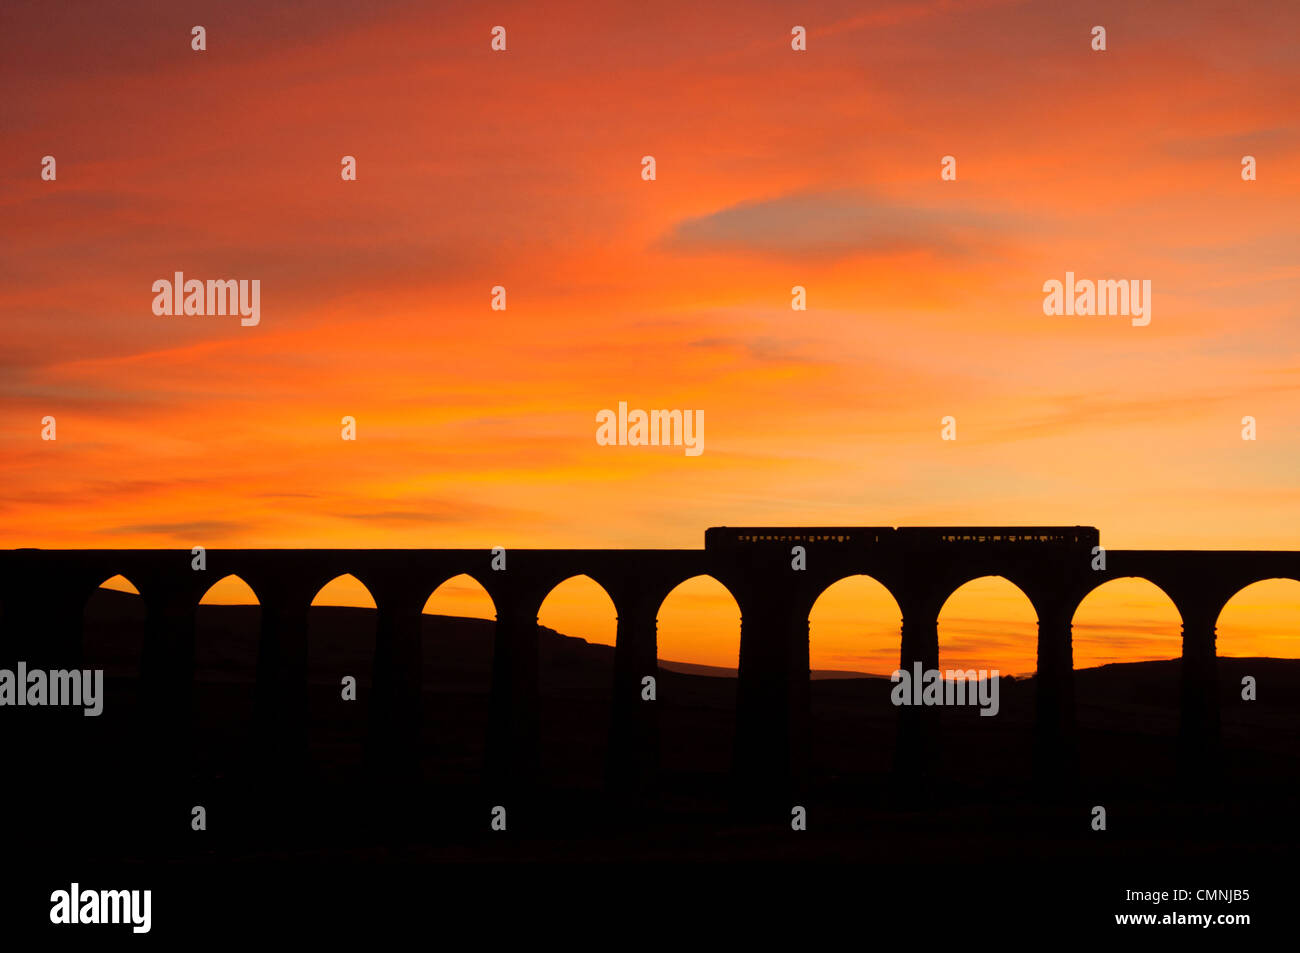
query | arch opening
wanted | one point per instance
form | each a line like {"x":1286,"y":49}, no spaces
{"x":988,"y":630}
{"x":854,"y":629}
{"x":1257,"y":640}
{"x":577,"y":627}
{"x":1128,"y":619}
{"x":989,"y":623}
{"x":698,"y":626}
{"x":113,"y":636}
{"x":113,"y":639}
{"x":698,"y":641}
{"x":457,"y":635}
{"x":341,"y":626}
{"x":1261,"y":620}
{"x":1127,"y":647}
{"x":227,"y":635}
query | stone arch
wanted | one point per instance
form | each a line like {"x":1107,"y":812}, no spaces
{"x":697,"y":685}
{"x":577,"y":629}
{"x":1127,"y":647}
{"x":227,"y":635}
{"x":1009,"y":644}
{"x":113,"y":621}
{"x":606,"y":634}
{"x":987,"y":629}
{"x":1257,"y":643}
{"x":119,"y":583}
{"x":704,"y":600}
{"x":230,"y":590}
{"x":1271,"y":640}
{"x":880,"y":600}
{"x":457,"y":635}
{"x":341,"y":630}
{"x":1089,"y":638}
{"x":464,"y":589}
{"x":344,"y":590}
{"x":667,"y":585}
{"x":854,"y":626}
{"x":114,"y":625}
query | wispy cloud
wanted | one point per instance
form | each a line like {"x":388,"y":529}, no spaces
{"x":198,"y":529}
{"x":836,"y":225}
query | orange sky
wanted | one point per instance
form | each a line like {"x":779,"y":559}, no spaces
{"x":775,"y":168}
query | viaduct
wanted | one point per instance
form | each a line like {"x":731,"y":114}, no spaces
{"x":44,"y":592}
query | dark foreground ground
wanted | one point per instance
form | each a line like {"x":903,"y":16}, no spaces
{"x":976,"y":846}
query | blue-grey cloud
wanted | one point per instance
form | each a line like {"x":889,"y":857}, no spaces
{"x":446,"y":512}
{"x":837,"y":224}
{"x":188,"y":531}
{"x":1234,"y":145}
{"x":759,"y":348}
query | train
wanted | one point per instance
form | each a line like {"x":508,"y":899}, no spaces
{"x":729,"y":537}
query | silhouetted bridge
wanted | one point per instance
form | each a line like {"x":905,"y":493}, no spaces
{"x":44,"y":592}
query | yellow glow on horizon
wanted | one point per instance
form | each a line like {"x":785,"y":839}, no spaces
{"x":579,"y":607}
{"x":345,"y":590}
{"x":699,"y":622}
{"x":988,"y":623}
{"x":461,"y":596}
{"x":229,"y":591}
{"x":1261,"y":620}
{"x":1126,"y":620}
{"x":855,"y":626}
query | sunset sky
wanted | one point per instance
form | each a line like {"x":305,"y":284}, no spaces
{"x":775,"y":168}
